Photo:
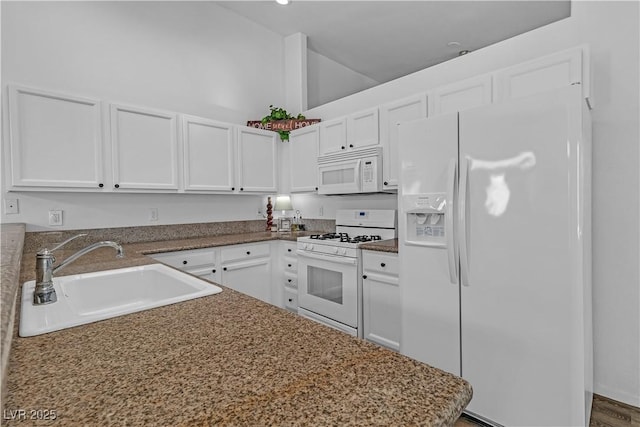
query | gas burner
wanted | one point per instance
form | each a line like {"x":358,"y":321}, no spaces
{"x":329,"y":236}
{"x":359,"y":239}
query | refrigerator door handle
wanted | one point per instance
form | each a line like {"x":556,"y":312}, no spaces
{"x":462,"y":215}
{"x":452,"y":254}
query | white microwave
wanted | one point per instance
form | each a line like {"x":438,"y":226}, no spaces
{"x":356,"y":171}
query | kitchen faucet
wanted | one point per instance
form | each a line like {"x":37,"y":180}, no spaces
{"x":44,"y":292}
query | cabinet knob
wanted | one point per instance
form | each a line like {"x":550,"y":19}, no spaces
{"x":184,"y":262}
{"x":288,"y":250}
{"x":290,"y":299}
{"x":288,"y":265}
{"x":382,"y":264}
{"x":241,"y":189}
{"x":364,"y":276}
{"x":248,"y":252}
{"x":117,"y":185}
{"x":289,"y":280}
{"x":350,"y":145}
{"x":343,"y":147}
{"x":233,"y":188}
{"x":101,"y":185}
{"x":213,"y":271}
{"x":386,"y":183}
{"x":224,"y":268}
{"x":316,"y":188}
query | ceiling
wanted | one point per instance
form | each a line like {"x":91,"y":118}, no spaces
{"x":384,"y":40}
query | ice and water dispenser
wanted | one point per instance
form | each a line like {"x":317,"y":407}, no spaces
{"x":425,"y":220}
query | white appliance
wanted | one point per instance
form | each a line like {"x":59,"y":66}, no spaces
{"x":356,"y":171}
{"x":330,"y":268}
{"x":495,"y":255}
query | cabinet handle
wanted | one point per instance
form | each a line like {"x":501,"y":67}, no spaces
{"x":290,"y":299}
{"x":184,"y":262}
{"x":343,"y":147}
{"x":117,"y":185}
{"x":364,"y":276}
{"x":288,"y":250}
{"x":213,"y":271}
{"x":289,"y":280}
{"x":248,"y":252}
{"x":224,"y":268}
{"x":241,"y":189}
{"x":350,"y":145}
{"x":288,"y":265}
{"x":382,"y":264}
{"x":233,"y":188}
{"x":101,"y":185}
{"x":386,"y":183}
{"x":316,"y":188}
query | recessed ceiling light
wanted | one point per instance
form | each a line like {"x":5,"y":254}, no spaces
{"x":282,"y":2}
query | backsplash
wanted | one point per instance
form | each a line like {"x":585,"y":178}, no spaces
{"x":35,"y":241}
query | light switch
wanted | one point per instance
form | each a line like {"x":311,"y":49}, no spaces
{"x":55,"y":217}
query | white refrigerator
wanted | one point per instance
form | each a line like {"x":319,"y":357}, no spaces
{"x":495,"y":255}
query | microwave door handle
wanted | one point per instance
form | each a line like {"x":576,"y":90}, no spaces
{"x":359,"y":174}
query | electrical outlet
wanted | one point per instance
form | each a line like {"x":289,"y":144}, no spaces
{"x":55,"y":217}
{"x":153,"y":214}
{"x":11,"y":206}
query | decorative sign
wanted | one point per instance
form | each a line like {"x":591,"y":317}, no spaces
{"x":283,"y":125}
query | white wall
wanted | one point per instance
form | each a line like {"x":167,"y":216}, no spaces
{"x":611,"y":29}
{"x":328,"y":80}
{"x":188,"y":57}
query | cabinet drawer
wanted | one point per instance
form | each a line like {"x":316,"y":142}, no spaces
{"x":187,"y":259}
{"x":291,"y":299}
{"x":291,"y":265}
{"x":289,"y":249}
{"x":240,"y":252}
{"x":380,"y":262}
{"x":290,"y":281}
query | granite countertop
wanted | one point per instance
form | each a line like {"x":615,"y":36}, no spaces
{"x":224,"y":359}
{"x":390,"y":245}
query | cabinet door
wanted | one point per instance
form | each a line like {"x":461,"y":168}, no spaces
{"x":333,"y":136}
{"x":257,"y":160}
{"x":381,"y":309}
{"x":462,"y":95}
{"x":303,"y":159}
{"x":208,"y":155}
{"x":144,"y":144}
{"x":391,"y":114}
{"x":249,"y":277}
{"x":362,"y":129}
{"x":55,"y":140}
{"x":543,"y":74}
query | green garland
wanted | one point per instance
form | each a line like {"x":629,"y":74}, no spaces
{"x":280,"y":114}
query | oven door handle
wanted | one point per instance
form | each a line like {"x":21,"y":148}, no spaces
{"x":329,"y":258}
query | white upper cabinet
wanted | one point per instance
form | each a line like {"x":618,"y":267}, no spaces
{"x":391,"y":114}
{"x":362,"y":129}
{"x":357,"y":130}
{"x":333,"y":136}
{"x":459,"y":96}
{"x":144,"y":149}
{"x":303,"y":159}
{"x":55,"y":140}
{"x":208,"y":155}
{"x":549,"y":72}
{"x":257,"y":160}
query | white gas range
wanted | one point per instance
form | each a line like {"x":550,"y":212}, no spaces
{"x":330,"y":268}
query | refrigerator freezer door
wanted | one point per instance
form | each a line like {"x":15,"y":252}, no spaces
{"x":430,"y":301}
{"x":521,"y":308}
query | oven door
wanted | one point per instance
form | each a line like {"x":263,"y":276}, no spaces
{"x":341,"y":177}
{"x":328,"y":286}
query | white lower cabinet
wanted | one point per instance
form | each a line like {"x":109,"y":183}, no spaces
{"x":381,"y":298}
{"x":199,"y":262}
{"x":247,"y":269}
{"x":289,"y":275}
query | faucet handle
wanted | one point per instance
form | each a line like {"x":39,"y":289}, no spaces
{"x":48,"y":251}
